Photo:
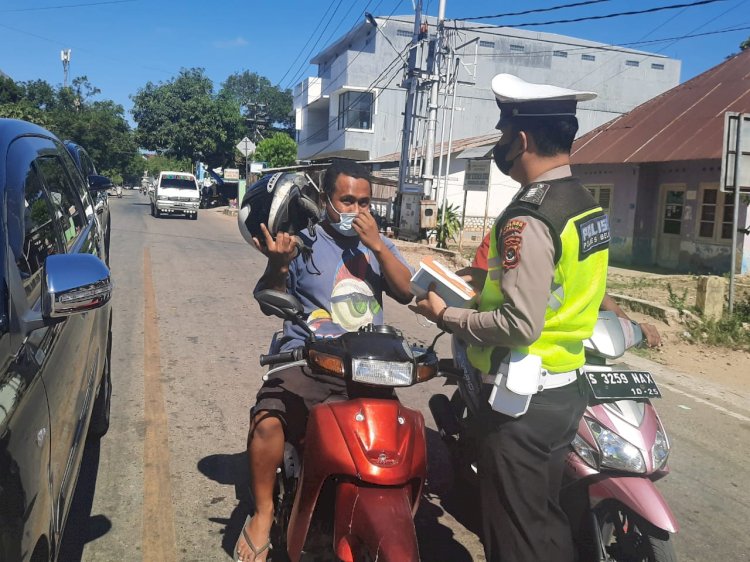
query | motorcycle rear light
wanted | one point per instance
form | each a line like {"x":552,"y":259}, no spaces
{"x":616,"y":452}
{"x":660,"y":450}
{"x":330,"y":364}
{"x":382,"y":373}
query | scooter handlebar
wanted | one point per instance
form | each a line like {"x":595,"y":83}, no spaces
{"x":283,"y":357}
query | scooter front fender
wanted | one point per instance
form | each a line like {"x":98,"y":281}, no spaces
{"x":637,"y":494}
{"x":375,"y":522}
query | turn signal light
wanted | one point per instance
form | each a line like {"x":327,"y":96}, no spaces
{"x":426,"y":372}
{"x":327,"y":363}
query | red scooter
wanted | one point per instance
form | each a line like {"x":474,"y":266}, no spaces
{"x":357,"y":489}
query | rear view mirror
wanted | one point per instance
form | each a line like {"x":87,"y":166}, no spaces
{"x":276,"y":303}
{"x":99,"y":183}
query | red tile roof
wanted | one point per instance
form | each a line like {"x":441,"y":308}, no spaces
{"x":684,"y":123}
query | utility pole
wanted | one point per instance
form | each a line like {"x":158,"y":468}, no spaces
{"x":65,"y":58}
{"x":411,"y":82}
{"x":435,"y":78}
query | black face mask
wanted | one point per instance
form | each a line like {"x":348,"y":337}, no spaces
{"x":500,"y":153}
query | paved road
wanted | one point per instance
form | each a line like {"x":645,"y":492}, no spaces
{"x":169,"y":481}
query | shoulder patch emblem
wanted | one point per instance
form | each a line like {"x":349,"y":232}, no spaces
{"x":511,"y":251}
{"x":535,"y":193}
{"x":593,"y":233}
{"x":513,"y":226}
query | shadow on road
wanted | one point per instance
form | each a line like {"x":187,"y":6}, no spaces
{"x":437,"y":542}
{"x":230,"y":469}
{"x":82,"y":527}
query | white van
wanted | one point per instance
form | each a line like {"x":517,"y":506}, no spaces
{"x":175,"y":192}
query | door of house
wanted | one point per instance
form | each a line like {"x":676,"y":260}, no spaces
{"x":672,"y":212}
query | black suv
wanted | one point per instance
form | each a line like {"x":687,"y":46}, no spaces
{"x":55,"y":337}
{"x":85,"y":165}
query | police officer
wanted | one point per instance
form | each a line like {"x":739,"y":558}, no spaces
{"x":547,"y":269}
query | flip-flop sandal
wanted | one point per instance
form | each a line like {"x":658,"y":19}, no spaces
{"x":256,"y":551}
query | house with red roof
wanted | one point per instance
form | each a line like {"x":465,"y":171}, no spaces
{"x":657,"y":169}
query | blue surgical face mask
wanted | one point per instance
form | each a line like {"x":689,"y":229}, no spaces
{"x":344,"y":226}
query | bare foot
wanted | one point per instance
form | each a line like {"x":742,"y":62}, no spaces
{"x":258,"y":530}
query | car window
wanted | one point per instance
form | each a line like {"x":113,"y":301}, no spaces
{"x":80,"y":182}
{"x":87,"y":165}
{"x":39,"y":238}
{"x":68,"y":210}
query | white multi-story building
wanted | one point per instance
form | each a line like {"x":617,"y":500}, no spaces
{"x":354,"y":106}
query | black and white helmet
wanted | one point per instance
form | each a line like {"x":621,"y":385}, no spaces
{"x":282,"y":202}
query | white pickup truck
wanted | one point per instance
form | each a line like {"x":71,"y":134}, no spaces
{"x":175,"y":192}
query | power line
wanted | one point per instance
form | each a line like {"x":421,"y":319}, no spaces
{"x":535,"y":11}
{"x":607,"y":16}
{"x":369,"y":89}
{"x":302,"y":64}
{"x":354,"y":58}
{"x":64,"y":6}
{"x":307,"y":43}
{"x":612,"y":47}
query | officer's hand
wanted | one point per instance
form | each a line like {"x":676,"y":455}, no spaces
{"x":280,"y":251}
{"x":430,"y":306}
{"x":367,"y":228}
{"x":653,"y":338}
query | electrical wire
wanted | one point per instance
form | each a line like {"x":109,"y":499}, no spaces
{"x":354,"y":58}
{"x":388,"y":68}
{"x":65,"y":6}
{"x":607,"y":16}
{"x":302,"y":50}
{"x":301,"y":69}
{"x":534,"y":11}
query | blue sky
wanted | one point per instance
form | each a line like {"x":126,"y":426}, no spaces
{"x":122,"y":44}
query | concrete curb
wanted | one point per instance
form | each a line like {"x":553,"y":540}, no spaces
{"x":661,"y":312}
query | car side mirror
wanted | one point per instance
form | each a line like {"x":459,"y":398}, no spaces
{"x":99,"y":183}
{"x":71,"y":283}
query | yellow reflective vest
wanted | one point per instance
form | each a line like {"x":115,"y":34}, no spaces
{"x":580,"y":231}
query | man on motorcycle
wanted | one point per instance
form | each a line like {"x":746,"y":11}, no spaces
{"x":340,"y":286}
{"x":547,"y":270}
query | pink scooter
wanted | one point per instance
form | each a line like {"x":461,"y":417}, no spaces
{"x":616,"y":512}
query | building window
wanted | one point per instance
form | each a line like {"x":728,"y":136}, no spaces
{"x":632,"y":63}
{"x":602,"y":194}
{"x":488,"y":44}
{"x":716,"y":214}
{"x":562,"y":54}
{"x":657,"y":66}
{"x":355,"y":110}
{"x":517,"y":48}
{"x":404,"y":33}
{"x":588,"y":57}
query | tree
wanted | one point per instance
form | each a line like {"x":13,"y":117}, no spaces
{"x":183,"y":119}
{"x":251,"y":88}
{"x":745,"y":44}
{"x":279,"y":150}
{"x":99,"y":126}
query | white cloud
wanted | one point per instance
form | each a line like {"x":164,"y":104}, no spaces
{"x":231,"y":43}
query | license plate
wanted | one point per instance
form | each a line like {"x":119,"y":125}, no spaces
{"x":622,"y":385}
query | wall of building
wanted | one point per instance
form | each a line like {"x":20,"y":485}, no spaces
{"x":623,"y":79}
{"x":637,"y":212}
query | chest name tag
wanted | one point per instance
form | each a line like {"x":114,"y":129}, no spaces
{"x":593,"y":234}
